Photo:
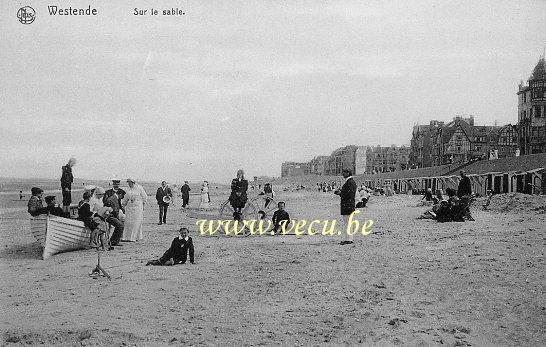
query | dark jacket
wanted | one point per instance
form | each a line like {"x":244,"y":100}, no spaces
{"x":280,"y":216}
{"x":86,"y":216}
{"x":238,"y":197}
{"x":347,"y":195}
{"x":66,"y":177}
{"x":185,"y":190}
{"x":36,"y":207}
{"x":113,"y":199}
{"x":162,"y":193}
{"x":465,"y":187}
{"x":179,"y":251}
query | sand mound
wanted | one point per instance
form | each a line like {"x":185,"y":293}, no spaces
{"x":80,"y":337}
{"x":518,"y":202}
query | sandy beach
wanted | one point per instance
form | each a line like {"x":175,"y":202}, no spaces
{"x":411,"y":282}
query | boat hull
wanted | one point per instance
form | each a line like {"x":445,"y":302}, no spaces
{"x":65,"y":235}
{"x":38,"y":228}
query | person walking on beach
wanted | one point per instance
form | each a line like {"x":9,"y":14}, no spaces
{"x":238,"y":196}
{"x":185,"y":190}
{"x":66,"y":184}
{"x":205,"y":197}
{"x":163,"y":193}
{"x":133,"y":202}
{"x":347,"y":195}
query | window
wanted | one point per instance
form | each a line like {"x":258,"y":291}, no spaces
{"x":458,"y":148}
{"x":478,"y":148}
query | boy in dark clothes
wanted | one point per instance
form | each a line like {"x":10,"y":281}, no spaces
{"x":280,"y":217}
{"x":55,"y":210}
{"x":178,"y":252}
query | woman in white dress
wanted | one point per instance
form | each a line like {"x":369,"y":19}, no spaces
{"x":133,"y":201}
{"x":205,"y":197}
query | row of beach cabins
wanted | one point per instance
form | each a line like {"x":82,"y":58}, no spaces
{"x":523,"y":174}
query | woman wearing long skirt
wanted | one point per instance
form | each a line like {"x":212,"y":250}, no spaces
{"x":133,"y":201}
{"x":238,"y":197}
{"x":205,"y":197}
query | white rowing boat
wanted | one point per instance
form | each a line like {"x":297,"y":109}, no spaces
{"x":57,"y":234}
{"x":38,"y":228}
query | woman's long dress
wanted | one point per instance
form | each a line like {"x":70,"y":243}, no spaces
{"x":238,"y":196}
{"x":205,"y":199}
{"x":134,"y":201}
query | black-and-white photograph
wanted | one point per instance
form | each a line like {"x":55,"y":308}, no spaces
{"x":293,"y":173}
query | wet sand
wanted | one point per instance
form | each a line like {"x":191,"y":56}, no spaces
{"x":410,"y":282}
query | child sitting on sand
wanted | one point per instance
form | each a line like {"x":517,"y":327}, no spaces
{"x":280,"y":217}
{"x":178,"y":252}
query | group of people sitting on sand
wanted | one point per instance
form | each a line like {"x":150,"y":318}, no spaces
{"x":456,"y":208}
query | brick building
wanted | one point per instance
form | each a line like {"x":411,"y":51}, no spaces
{"x":532,"y":112}
{"x":387,"y":159}
{"x":290,"y":168}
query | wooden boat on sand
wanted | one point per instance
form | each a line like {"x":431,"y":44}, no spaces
{"x":59,"y":234}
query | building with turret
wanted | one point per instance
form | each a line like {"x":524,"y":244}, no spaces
{"x":532,"y":111}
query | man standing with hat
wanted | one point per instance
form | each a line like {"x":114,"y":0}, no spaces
{"x":163,"y":195}
{"x":66,"y":184}
{"x":112,"y":198}
{"x":185,"y":190}
{"x":347,"y":195}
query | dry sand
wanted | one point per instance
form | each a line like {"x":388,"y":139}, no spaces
{"x":411,"y":282}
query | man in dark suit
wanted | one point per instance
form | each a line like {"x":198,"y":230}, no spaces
{"x":464,"y":192}
{"x":162,"y":192}
{"x":178,"y":252}
{"x":465,"y":187}
{"x":347,"y":195}
{"x":185,"y":190}
{"x":112,"y":198}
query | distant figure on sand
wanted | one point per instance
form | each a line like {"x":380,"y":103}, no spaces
{"x":205,"y":196}
{"x":347,"y":195}
{"x":21,"y":195}
{"x":239,"y":187}
{"x":185,"y":191}
{"x":66,"y":184}
{"x":163,"y":196}
{"x":178,"y":252}
{"x":133,"y":202}
{"x":428,"y":195}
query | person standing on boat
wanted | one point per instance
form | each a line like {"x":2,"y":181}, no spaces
{"x":133,"y":202}
{"x":238,"y":196}
{"x":66,"y":184}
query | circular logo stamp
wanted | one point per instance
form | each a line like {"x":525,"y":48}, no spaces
{"x":26,"y":15}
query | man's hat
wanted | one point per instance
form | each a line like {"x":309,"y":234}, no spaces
{"x":116,"y":181}
{"x":36,"y":190}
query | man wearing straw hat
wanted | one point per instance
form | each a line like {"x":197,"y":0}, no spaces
{"x":163,"y":196}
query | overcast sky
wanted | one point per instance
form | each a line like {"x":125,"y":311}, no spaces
{"x":249,"y":84}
